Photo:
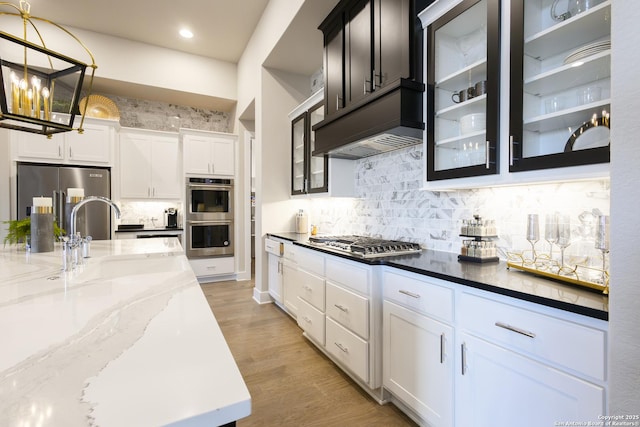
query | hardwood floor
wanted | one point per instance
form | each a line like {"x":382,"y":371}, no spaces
{"x":290,"y":381}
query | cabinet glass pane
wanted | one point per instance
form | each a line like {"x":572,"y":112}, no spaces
{"x":317,"y":167}
{"x":298,"y":155}
{"x":460,"y":94}
{"x":566,"y":80}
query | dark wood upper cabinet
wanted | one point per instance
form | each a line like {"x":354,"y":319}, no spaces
{"x":373,"y":77}
{"x":309,"y":173}
{"x":334,"y":67}
{"x":392,"y":29}
{"x":358,"y":50}
{"x":560,"y":98}
{"x":368,"y":45}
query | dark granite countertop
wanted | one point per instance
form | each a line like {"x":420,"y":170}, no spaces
{"x":492,"y":277}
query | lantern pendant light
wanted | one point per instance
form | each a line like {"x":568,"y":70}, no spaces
{"x":39,"y":87}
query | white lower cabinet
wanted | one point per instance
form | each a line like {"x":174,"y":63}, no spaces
{"x":527,"y":365}
{"x":418,"y":363}
{"x":290,"y":287}
{"x":499,"y":387}
{"x":206,"y":267}
{"x":457,"y":356}
{"x":418,"y":345}
{"x":351,"y":350}
{"x":275,"y":277}
{"x":311,"y":320}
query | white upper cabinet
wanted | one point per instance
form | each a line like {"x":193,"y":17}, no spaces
{"x":149,"y":165}
{"x":93,"y":147}
{"x":207,"y":153}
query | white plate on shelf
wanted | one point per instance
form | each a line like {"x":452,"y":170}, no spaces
{"x":587,"y":50}
{"x":590,"y":135}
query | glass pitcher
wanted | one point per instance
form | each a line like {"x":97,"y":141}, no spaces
{"x":574,"y":7}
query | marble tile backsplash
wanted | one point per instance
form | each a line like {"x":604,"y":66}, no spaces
{"x":153,"y":115}
{"x":391,"y":204}
{"x":149,"y":213}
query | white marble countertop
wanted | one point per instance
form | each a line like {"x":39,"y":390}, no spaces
{"x":127,"y":339}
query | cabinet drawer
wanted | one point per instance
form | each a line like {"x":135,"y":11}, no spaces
{"x":419,"y":295}
{"x":349,"y":274}
{"x":562,"y":342}
{"x":213,"y":266}
{"x":350,"y":350}
{"x":348,"y":309}
{"x":311,"y":321}
{"x":311,"y":289}
{"x":290,"y":252}
{"x":310,"y":260}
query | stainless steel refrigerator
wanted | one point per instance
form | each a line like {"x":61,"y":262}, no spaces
{"x":53,"y":181}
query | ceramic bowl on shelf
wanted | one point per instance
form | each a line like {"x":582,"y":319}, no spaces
{"x":474,"y":122}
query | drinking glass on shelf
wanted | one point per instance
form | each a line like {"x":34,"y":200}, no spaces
{"x":533,"y":232}
{"x":564,"y":236}
{"x":602,"y":241}
{"x":551,"y":231}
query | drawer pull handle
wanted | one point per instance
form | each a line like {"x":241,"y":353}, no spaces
{"x":341,"y":347}
{"x":441,"y":348}
{"x":341,"y":308}
{"x":411,"y":294}
{"x":514,"y":329}
{"x":306,"y":319}
{"x":307,"y":288}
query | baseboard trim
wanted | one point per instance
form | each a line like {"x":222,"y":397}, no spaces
{"x":261,"y":297}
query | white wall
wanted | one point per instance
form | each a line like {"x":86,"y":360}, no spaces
{"x":127,"y":61}
{"x":624,"y":300}
{"x":273,"y":23}
{"x":274,"y":208}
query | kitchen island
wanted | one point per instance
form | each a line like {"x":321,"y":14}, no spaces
{"x":126,"y":339}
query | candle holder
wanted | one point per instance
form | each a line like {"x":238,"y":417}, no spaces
{"x":42,"y":234}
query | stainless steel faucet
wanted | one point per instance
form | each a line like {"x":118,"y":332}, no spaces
{"x":74,"y":211}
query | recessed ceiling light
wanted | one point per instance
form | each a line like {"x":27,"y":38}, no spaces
{"x":187,"y":34}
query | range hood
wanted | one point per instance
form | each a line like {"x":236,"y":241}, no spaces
{"x":389,"y":119}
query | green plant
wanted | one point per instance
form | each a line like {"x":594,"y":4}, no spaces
{"x":20,"y":229}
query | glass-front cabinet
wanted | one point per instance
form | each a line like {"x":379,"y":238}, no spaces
{"x":463,"y":91}
{"x":560,"y":83}
{"x":308,"y":172}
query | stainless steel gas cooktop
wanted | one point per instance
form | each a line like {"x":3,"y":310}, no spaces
{"x":365,"y":247}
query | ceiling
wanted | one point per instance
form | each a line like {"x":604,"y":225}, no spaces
{"x":222,"y":29}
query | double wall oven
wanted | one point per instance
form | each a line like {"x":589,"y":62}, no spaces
{"x":209,"y":217}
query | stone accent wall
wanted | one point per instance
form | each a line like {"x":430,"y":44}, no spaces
{"x":144,"y":114}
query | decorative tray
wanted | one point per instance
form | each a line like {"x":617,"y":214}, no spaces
{"x":578,"y":275}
